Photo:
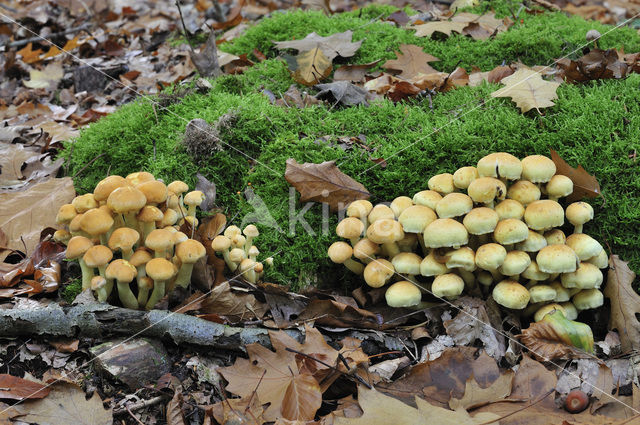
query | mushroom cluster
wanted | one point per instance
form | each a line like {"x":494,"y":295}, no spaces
{"x":127,"y":230}
{"x":494,"y":228}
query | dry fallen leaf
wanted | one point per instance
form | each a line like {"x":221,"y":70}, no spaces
{"x":584,"y":184}
{"x":625,"y":303}
{"x":528,"y":90}
{"x":14,"y":388}
{"x":411,"y":62}
{"x":342,"y":92}
{"x":239,"y":411}
{"x":51,"y":74}
{"x":475,"y":396}
{"x":324,"y":183}
{"x":596,"y":65}
{"x":311,"y":67}
{"x":339,"y":44}
{"x":445,"y":27}
{"x":174,"y":409}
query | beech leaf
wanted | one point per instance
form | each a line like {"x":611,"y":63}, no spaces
{"x":625,"y":303}
{"x":412,"y":61}
{"x":339,"y":44}
{"x":311,"y":67}
{"x":584,"y":184}
{"x":528,"y":90}
{"x":324,"y":183}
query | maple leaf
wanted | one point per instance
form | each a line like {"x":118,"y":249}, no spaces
{"x":584,"y":184}
{"x":625,"y":303}
{"x":29,"y":55}
{"x":310,"y":67}
{"x":339,"y":44}
{"x":528,"y":90}
{"x":324,"y":183}
{"x":445,"y":27}
{"x":481,"y":27}
{"x":411,"y":62}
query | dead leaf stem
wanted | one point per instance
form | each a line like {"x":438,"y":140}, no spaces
{"x":542,"y":397}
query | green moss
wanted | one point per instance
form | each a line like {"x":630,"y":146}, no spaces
{"x":71,"y":290}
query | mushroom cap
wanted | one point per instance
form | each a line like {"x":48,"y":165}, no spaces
{"x":251,"y":231}
{"x":534,"y":242}
{"x":500,"y":164}
{"x":350,"y":227}
{"x":431,"y":267}
{"x":159,"y":240}
{"x":559,"y":186}
{"x":378,"y":272}
{"x":515,"y":262}
{"x":538,"y":168}
{"x":593,"y":35}
{"x":415,"y":218}
{"x":246,"y":265}
{"x":546,"y":309}
{"x":464,"y":176}
{"x":510,"y":231}
{"x":149,"y":213}
{"x":400,"y":204}
{"x":570,"y":310}
{"x":145,"y":282}
{"x":445,"y":233}
{"x":490,"y":256}
{"x":126,"y":199}
{"x":84,"y":203}
{"x":533,"y":272}
{"x":169,"y":218}
{"x":74,"y":225}
{"x":447,"y":285}
{"x":160,"y":269}
{"x":557,"y":259}
{"x":195,"y":197}
{"x":359,"y":208}
{"x":484,"y":278}
{"x":587,"y":276}
{"x":253,"y":251}
{"x":121,"y":270}
{"x":601,"y":260}
{"x":441,"y":183}
{"x":385,"y":231}
{"x":77,"y":246}
{"x":408,"y":243}
{"x":588,"y":298}
{"x":154,"y":190}
{"x":62,"y":236}
{"x":339,"y":252}
{"x":579,"y":213}
{"x":365,"y":249}
{"x":510,"y":208}
{"x":190,"y":251}
{"x":220,"y":243}
{"x":380,"y":212}
{"x":486,"y":189}
{"x":177,"y":187}
{"x":555,"y":237}
{"x":238,"y":254}
{"x":480,"y":221}
{"x":428,"y":198}
{"x":464,"y":258}
{"x":97,"y":256}
{"x":98,"y":282}
{"x":562,"y":294}
{"x":139,"y":177}
{"x":66,"y":213}
{"x":96,"y":222}
{"x":584,"y":245}
{"x":258,"y":268}
{"x":179,"y":237}
{"x":403,"y":294}
{"x":231,"y":231}
{"x":544,"y":214}
{"x":511,"y":294}
{"x":140,"y":256}
{"x":524,"y":192}
{"x":407,"y":263}
{"x":123,"y":238}
{"x":541,"y":293}
{"x":454,"y":205}
{"x":107,"y":185}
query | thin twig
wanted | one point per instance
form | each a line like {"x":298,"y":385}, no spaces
{"x":139,"y":405}
{"x":132,"y":415}
{"x":355,"y":376}
{"x":495,"y":421}
{"x":26,"y":41}
{"x":86,"y":165}
{"x":630,"y":419}
{"x":184,"y":27}
{"x":10,"y":9}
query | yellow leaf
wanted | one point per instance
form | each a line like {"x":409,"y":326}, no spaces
{"x":527,"y":88}
{"x":313,"y":66}
{"x":43,"y":79}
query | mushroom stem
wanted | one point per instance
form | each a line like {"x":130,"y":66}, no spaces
{"x":126,"y":296}
{"x":148,"y":228}
{"x":130,"y":220}
{"x":127,"y":253}
{"x":232,"y":266}
{"x":496,"y":275}
{"x":156,"y":294}
{"x":354,"y":241}
{"x":118,"y":221}
{"x":87,"y":274}
{"x":468,"y":277}
{"x":247,"y":244}
{"x":184,"y":275}
{"x":391,"y":248}
{"x":354,"y":266}
{"x":104,"y":239}
{"x":191,"y":211}
{"x":108,"y":288}
{"x":577,"y":228}
{"x":489,"y":204}
{"x":143,"y":296}
{"x":425,"y":250}
{"x":102,"y":294}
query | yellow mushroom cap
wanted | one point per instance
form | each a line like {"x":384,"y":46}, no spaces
{"x":515,"y":262}
{"x":232,"y":231}
{"x":445,"y":233}
{"x":544,"y":214}
{"x":66,"y":213}
{"x":524,"y":192}
{"x":555,"y":236}
{"x":194,"y":197}
{"x":541,"y":293}
{"x":583,"y":245}
{"x":107,"y":185}
{"x":140,"y":256}
{"x":251,"y":231}
{"x":238,"y":254}
{"x":400,"y":204}
{"x":586,"y":276}
{"x":533,"y":272}
{"x":534,"y":242}
{"x":177,"y":187}
{"x":407,"y":263}
{"x":74,"y":225}
{"x":98,"y":282}
{"x":431,"y":267}
{"x":454,"y":205}
{"x":510,"y":231}
{"x":441,"y":183}
{"x":139,"y":177}
{"x":557,"y":259}
{"x":490,"y":256}
{"x":511,"y":294}
{"x":339,"y":252}
{"x":121,"y":270}
{"x":601,"y":260}
{"x":403,"y":294}
{"x":538,"y":168}
{"x":359,"y":208}
{"x":480,"y":221}
{"x":145,"y":282}
{"x":61,"y":236}
{"x":126,"y":199}
{"x":464,"y":258}
{"x":579,"y":213}
{"x":350,"y":228}
{"x":510,"y":208}
{"x":160,"y":269}
{"x":428,"y":198}
{"x":385,"y":231}
{"x":220,"y":243}
{"x":190,"y":251}
{"x":169,"y":218}
{"x":123,"y":238}
{"x":380,"y":212}
{"x":447,"y":285}
{"x":486,"y":189}
{"x":570,"y":310}
{"x":559,"y":186}
{"x":562,"y":294}
{"x":77,"y":246}
{"x":96,"y":222}
{"x":159,"y":240}
{"x":84,"y":203}
{"x":588,"y":298}
{"x":415,"y":218}
{"x":464,"y":176}
{"x":154,"y":190}
{"x":149,"y":213}
{"x":378,"y":272}
{"x":365,"y":250}
{"x":97,"y":256}
{"x":549,"y":308}
{"x":500,"y":164}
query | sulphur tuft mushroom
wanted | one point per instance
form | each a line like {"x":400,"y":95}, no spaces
{"x":350,"y":228}
{"x":193,"y":200}
{"x":378,"y":272}
{"x":123,"y":273}
{"x":511,"y":294}
{"x":189,"y":252}
{"x":76,"y":248}
{"x":448,"y":286}
{"x":222,"y":244}
{"x":250,"y":232}
{"x":403,"y":294}
{"x":340,"y":253}
{"x":360,"y":209}
{"x":160,"y":270}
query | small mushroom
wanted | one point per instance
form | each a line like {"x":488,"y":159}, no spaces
{"x":98,"y":285}
{"x":98,"y":256}
{"x":543,"y":215}
{"x":340,"y":253}
{"x":559,"y":186}
{"x":148,"y":216}
{"x":428,"y":198}
{"x":407,"y":264}
{"x":84,"y":203}
{"x":232,"y":231}
{"x":139,"y":259}
{"x":400,"y":204}
{"x":97,"y":223}
{"x":189,"y":252}
{"x":160,"y":241}
{"x":538,"y":168}
{"x":193,"y":200}
{"x":350,"y":228}
{"x":106,"y":186}
{"x":123,"y":273}
{"x":76,"y":248}
{"x":386,"y":232}
{"x":221,"y":244}
{"x":448,"y":286}
{"x":378,"y":272}
{"x":160,"y":270}
{"x":360,"y":209}
{"x":403,"y":294}
{"x":463,"y":177}
{"x":145,"y":285}
{"x":123,"y":239}
{"x":511,"y":294}
{"x":138,"y":177}
{"x":442,"y":183}
{"x":127,"y":200}
{"x":579,"y":213}
{"x":154,"y":190}
{"x":485,"y":190}
{"x":490,"y":257}
{"x":524,"y":192}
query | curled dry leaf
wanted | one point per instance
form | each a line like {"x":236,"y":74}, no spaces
{"x":584,"y":184}
{"x":596,"y":65}
{"x":311,"y":67}
{"x":625,"y":303}
{"x":338,"y":44}
{"x":528,"y":90}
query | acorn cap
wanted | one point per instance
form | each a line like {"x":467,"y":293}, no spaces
{"x":98,"y":282}
{"x":415,"y":218}
{"x":541,"y":293}
{"x":454,"y":205}
{"x":538,"y":168}
{"x":428,"y":198}
{"x":544,"y":214}
{"x":365,"y":250}
{"x":231,"y":231}
{"x":359,"y":208}
{"x":349,"y":228}
{"x":431,"y":267}
{"x":464,"y":258}
{"x":140,"y":256}
{"x":534,"y":242}
{"x":447,"y":285}
{"x":66,"y":213}
{"x":139,"y":177}
{"x":400,"y":204}
{"x":159,"y":240}
{"x":97,"y":256}
{"x":385,"y":231}
{"x":515,"y":262}
{"x":480,"y":221}
{"x":339,"y":252}
{"x":579,"y":213}
{"x":441,"y":183}
{"x":557,"y":259}
{"x":407,"y":263}
{"x":588,"y":298}
{"x":378,"y":272}
{"x":194,"y":197}
{"x":123,"y":238}
{"x":380,"y":212}
{"x":510,"y":231}
{"x":190,"y":251}
{"x":121,"y":270}
{"x":160,"y":269}
{"x":584,"y":245}
{"x":77,"y":246}
{"x":559,"y":186}
{"x":154,"y":190}
{"x":177,"y":187}
{"x":403,"y":294}
{"x":445,"y":233}
{"x":486,"y":189}
{"x":107,"y":185}
{"x":601,"y":260}
{"x":510,"y":208}
{"x":587,"y":276}
{"x":533,"y":272}
{"x":238,"y":254}
{"x":251,"y":231}
{"x":220,"y":243}
{"x":490,"y":256}
{"x":84,"y":203}
{"x":555,"y":237}
{"x":524,"y":192}
{"x":149,"y":213}
{"x":500,"y":164}
{"x":546,"y":309}
{"x":570,"y":310}
{"x":511,"y":294}
{"x":562,"y":294}
{"x":126,"y":199}
{"x":96,"y":222}
{"x":464,"y":176}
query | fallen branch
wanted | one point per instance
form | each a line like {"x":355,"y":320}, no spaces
{"x":25,"y":41}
